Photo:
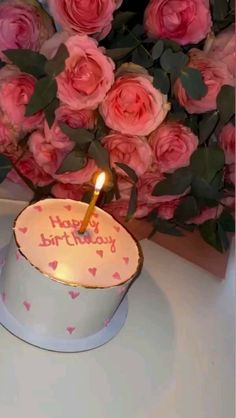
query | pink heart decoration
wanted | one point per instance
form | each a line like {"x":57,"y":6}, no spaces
{"x":106,"y":322}
{"x":117,"y":228}
{"x":68,"y":207}
{"x":3,"y":295}
{"x":116,"y":276}
{"x":27,"y":305}
{"x":93,"y":271}
{"x":126,"y":260}
{"x":23,"y":230}
{"x":38,"y":208}
{"x":70,"y":330}
{"x":53,"y":264}
{"x":73,"y":294}
{"x":100,"y":253}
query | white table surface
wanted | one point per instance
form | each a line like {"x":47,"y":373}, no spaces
{"x":174,"y":358}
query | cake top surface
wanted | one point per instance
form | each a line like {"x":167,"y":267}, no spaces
{"x":47,"y":236}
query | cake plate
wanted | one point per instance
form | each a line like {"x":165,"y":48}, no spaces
{"x":63,"y":344}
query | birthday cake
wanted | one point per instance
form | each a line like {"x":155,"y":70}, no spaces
{"x":61,"y":283}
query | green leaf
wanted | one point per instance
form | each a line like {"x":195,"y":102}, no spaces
{"x":173,"y":62}
{"x":193,"y":83}
{"x":57,"y":64}
{"x":132,"y":203}
{"x":174,"y":46}
{"x":5,"y":167}
{"x":227,"y":221}
{"x":206,"y":162}
{"x":73,"y":162}
{"x":138,"y":30}
{"x":192,"y":123}
{"x":187,"y":209}
{"x":202,"y":189}
{"x":50,"y":110}
{"x":99,"y":154}
{"x":87,"y":196}
{"x":125,"y":41}
{"x":177,"y":116}
{"x":101,"y":129}
{"x":121,"y":19}
{"x":129,"y":171}
{"x":161,"y":80}
{"x":27,"y":61}
{"x":226,"y":103}
{"x":207,"y":125}
{"x":80,"y":136}
{"x":165,"y":227}
{"x":118,"y":53}
{"x":157,"y":49}
{"x":176,"y":183}
{"x":220,"y":9}
{"x":44,"y":93}
{"x":213,"y":233}
{"x":107,"y":197}
{"x":142,"y":57}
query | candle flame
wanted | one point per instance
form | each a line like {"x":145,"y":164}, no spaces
{"x":100,"y":181}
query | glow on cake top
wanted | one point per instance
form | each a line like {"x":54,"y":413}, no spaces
{"x":47,"y":236}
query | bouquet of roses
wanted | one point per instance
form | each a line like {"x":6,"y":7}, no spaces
{"x":145,"y":93}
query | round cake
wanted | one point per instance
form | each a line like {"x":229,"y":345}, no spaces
{"x":61,"y":283}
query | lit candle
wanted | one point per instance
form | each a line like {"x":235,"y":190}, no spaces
{"x":98,"y":186}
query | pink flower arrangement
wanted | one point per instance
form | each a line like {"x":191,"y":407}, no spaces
{"x":133,"y":105}
{"x":183,"y":21}
{"x":24,"y":24}
{"x":214,"y":73}
{"x":88,"y":74}
{"x":172,"y":145}
{"x":89,"y":17}
{"x":146,"y":97}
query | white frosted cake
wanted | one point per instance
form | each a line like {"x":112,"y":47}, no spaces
{"x":63,"y":284}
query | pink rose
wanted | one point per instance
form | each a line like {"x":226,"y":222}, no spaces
{"x":215,"y":74}
{"x":119,"y":208}
{"x":172,"y":144}
{"x":23,"y":24}
{"x":45,"y":155}
{"x":78,"y":177}
{"x":74,"y":119}
{"x":15,"y":94}
{"x":183,"y":21}
{"x":88,"y":74}
{"x":227,"y":142}
{"x":222,"y":48}
{"x":206,"y":214}
{"x":30,"y":169}
{"x":68,"y":191}
{"x":89,"y":17}
{"x":166,"y":209}
{"x":133,"y":106}
{"x":130,"y":150}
